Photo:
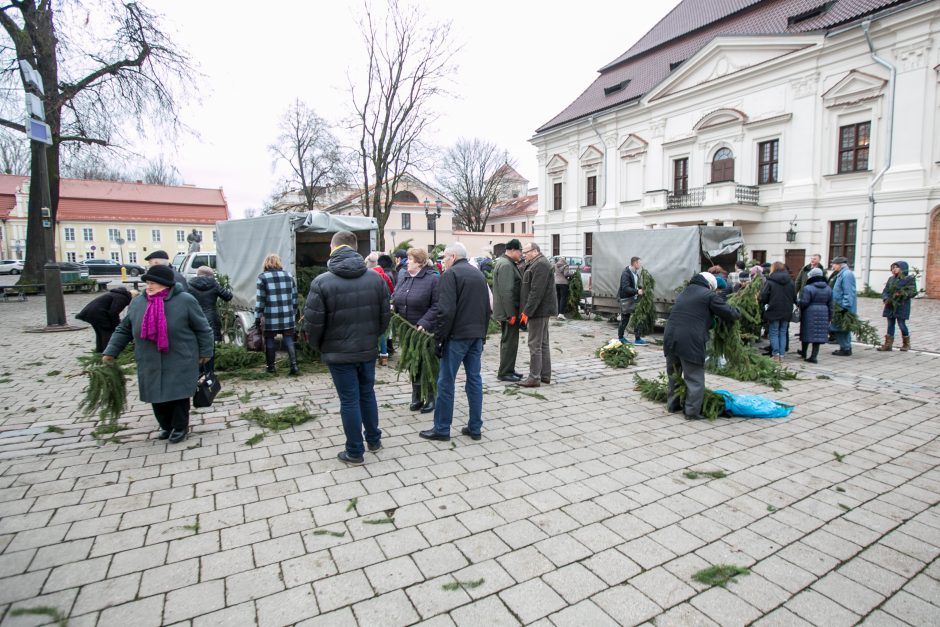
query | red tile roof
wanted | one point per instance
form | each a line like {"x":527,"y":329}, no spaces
{"x":516,"y":206}
{"x":112,"y":201}
{"x":690,"y":27}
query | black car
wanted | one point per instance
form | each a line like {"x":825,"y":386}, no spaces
{"x":110,"y":267}
{"x":70,"y":266}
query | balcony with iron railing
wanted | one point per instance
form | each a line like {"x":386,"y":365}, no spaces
{"x":723,"y":201}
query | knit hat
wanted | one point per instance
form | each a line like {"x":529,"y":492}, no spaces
{"x":513,"y":244}
{"x":401,"y":254}
{"x":755,"y":270}
{"x":744,"y":276}
{"x":160,"y":274}
{"x":712,"y":281}
{"x":157,"y":254}
{"x":722,"y":284}
{"x":815,"y":272}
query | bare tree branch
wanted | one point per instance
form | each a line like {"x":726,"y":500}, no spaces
{"x":475,"y":174}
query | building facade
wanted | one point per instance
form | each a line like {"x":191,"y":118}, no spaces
{"x":768,"y":115}
{"x":114,"y":220}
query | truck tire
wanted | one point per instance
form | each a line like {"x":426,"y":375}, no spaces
{"x":240,"y":334}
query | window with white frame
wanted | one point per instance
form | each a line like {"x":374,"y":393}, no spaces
{"x":591,"y":175}
{"x":89,"y":255}
{"x":556,"y":170}
{"x":69,"y":234}
{"x":88,"y":234}
{"x":215,"y":237}
{"x":180,"y":236}
{"x":632,"y":158}
{"x":131,"y":235}
{"x":132,"y":257}
{"x":155,"y":235}
{"x":114,"y":234}
{"x":71,"y":257}
{"x":116,"y":257}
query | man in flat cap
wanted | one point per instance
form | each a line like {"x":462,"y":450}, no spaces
{"x":507,"y":283}
{"x":161,"y":258}
{"x":843,"y":295}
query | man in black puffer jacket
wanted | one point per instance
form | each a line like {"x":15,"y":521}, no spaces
{"x":685,"y":336}
{"x":463,"y":313}
{"x":347,"y":310}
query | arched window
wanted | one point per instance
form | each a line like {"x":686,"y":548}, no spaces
{"x":723,"y":166}
{"x":404,"y":196}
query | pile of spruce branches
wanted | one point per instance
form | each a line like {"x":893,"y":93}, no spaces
{"x":643,"y":318}
{"x":861,"y":329}
{"x":106,"y":392}
{"x":416,"y":355}
{"x":657,"y":390}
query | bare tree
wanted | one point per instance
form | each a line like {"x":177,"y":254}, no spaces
{"x":315,"y":161}
{"x":94,"y":84}
{"x":474,"y":174}
{"x":409,"y":59}
{"x":14,"y":153}
{"x":92,"y":164}
{"x":160,"y":172}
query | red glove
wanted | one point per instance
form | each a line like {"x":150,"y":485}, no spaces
{"x":512,"y":321}
{"x":524,"y":318}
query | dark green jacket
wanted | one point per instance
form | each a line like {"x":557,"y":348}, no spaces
{"x":507,"y":284}
{"x":538,"y":289}
{"x":168,"y":376}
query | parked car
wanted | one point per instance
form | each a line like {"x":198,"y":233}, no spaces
{"x":69,"y":266}
{"x":109,"y":266}
{"x":11,"y":266}
{"x":178,"y":260}
{"x":194,"y":261}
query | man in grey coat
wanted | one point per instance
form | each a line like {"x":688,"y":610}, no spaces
{"x":507,"y":283}
{"x":538,"y":305}
{"x":685,"y":336}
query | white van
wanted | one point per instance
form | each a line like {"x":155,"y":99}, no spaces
{"x":194,"y":261}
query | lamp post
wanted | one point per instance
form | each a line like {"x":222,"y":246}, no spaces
{"x":120,"y":242}
{"x":432,"y":216}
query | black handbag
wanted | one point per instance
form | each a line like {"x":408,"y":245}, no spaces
{"x":627,"y":305}
{"x":207,"y":388}
{"x":797,"y":314}
{"x":254,"y":340}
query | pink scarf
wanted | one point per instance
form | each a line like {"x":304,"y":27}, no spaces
{"x":153,"y":326}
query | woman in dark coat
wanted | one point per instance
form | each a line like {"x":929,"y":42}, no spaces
{"x":777,"y":298}
{"x":171,"y":339}
{"x":815,"y":313}
{"x":104,"y":314}
{"x":897,"y":295}
{"x":207,"y":291}
{"x":415,"y":300}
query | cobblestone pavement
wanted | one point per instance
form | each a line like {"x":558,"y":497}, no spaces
{"x":572,"y":510}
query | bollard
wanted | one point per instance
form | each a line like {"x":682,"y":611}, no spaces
{"x":123,"y":274}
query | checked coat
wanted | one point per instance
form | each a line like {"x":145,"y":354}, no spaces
{"x":276,"y":300}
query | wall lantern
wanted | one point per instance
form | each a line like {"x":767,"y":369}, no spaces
{"x":791,"y":233}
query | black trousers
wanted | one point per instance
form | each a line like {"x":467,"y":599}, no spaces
{"x":172,"y":415}
{"x":102,"y":336}
{"x":561,"y":294}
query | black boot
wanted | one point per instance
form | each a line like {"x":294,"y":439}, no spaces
{"x":269,"y":354}
{"x":428,"y":407}
{"x":802,"y":351}
{"x":814,"y":354}
{"x":292,"y":355}
{"x":415,"y":397}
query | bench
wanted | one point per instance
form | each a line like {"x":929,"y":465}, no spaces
{"x":20,"y":292}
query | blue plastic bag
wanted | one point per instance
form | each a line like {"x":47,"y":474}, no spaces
{"x":753,"y":406}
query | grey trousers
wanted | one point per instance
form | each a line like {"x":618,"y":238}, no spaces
{"x":540,"y":354}
{"x":508,"y":347}
{"x":694,"y":376}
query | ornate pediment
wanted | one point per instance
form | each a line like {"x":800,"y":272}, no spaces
{"x":854,"y":87}
{"x":724,"y":56}
{"x":591,"y":156}
{"x":556,"y":164}
{"x":719,"y":118}
{"x":632,"y":146}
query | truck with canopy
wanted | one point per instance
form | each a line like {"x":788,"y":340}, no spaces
{"x":302,"y":240}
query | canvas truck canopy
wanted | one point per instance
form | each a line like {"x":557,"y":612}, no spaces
{"x":295,"y":237}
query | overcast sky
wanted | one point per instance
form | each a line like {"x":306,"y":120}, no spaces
{"x":521,"y":62}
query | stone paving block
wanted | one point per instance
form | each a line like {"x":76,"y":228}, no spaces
{"x":62,"y":553}
{"x":482,"y":546}
{"x":439,"y":560}
{"x":532,"y":600}
{"x":627,"y":603}
{"x":344,"y":589}
{"x":339,"y":618}
{"x":724,"y":607}
{"x":76,"y":574}
{"x":818,"y":609}
{"x":242,"y":614}
{"x":431,"y":599}
{"x":561,"y":550}
{"x":201,"y":598}
{"x":847,"y":593}
{"x":574,"y":583}
{"x":307,"y":568}
{"x":912,"y":609}
{"x":107,"y":593}
{"x":146,"y":612}
{"x":170,"y":577}
{"x":278,"y":549}
{"x":241,"y":535}
{"x":391,"y":609}
{"x":487,"y":611}
{"x":892,"y":560}
{"x":612,"y":566}
{"x":782,"y":617}
{"x":443,"y":530}
{"x":287,"y":607}
{"x":401,"y":542}
{"x":357,"y":554}
{"x":494,"y":578}
{"x":662,"y":587}
{"x":221,"y":564}
{"x":393,"y":574}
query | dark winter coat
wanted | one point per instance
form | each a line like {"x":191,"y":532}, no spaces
{"x":507,"y":285}
{"x":105,"y":311}
{"x":816,"y":311}
{"x":171,"y":376}
{"x":415,"y":298}
{"x":206,"y":290}
{"x":628,"y":284}
{"x":463,"y":303}
{"x":538,"y":297}
{"x":777,"y":297}
{"x":897,"y":294}
{"x":691,"y":318}
{"x":803,"y":277}
{"x":347,"y":310}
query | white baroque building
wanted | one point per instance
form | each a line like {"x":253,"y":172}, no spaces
{"x":801,"y":120}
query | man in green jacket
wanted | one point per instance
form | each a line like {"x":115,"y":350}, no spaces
{"x":507,"y":281}
{"x":538,"y":305}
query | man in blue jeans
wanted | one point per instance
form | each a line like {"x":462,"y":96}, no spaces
{"x":347,"y":310}
{"x":464,"y":310}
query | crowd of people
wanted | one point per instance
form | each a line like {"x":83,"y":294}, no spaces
{"x":175,"y":323}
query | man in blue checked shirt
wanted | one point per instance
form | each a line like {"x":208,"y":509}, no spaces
{"x":276,"y":303}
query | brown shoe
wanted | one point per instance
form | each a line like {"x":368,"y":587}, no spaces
{"x":529,"y":383}
{"x":383,"y":360}
{"x":545,"y":380}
